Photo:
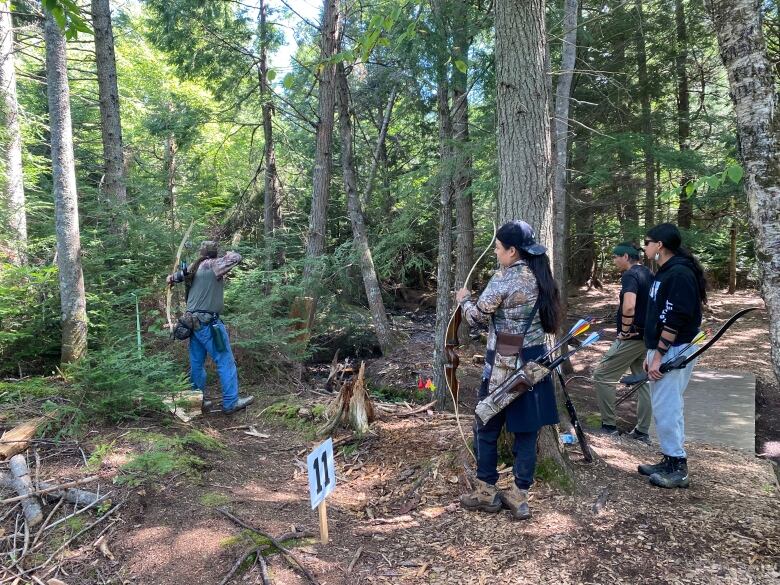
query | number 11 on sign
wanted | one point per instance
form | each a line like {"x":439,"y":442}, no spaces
{"x":322,"y":480}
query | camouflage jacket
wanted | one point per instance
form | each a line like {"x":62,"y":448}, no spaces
{"x":509,"y":298}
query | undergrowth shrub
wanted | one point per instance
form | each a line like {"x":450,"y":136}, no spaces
{"x":29,"y":318}
{"x":117,"y":383}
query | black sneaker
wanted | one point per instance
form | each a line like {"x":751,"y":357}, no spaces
{"x":660,"y":467}
{"x":676,"y":476}
{"x":240,"y":404}
{"x":608,"y":431}
{"x":640,"y":436}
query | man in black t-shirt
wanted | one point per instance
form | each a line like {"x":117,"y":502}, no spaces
{"x":628,"y":350}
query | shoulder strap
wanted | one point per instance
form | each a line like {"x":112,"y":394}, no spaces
{"x":531,"y":317}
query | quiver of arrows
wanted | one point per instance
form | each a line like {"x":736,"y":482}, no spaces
{"x":510,"y":390}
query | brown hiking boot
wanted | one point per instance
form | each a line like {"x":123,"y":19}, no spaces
{"x":516,"y":501}
{"x":483,"y":497}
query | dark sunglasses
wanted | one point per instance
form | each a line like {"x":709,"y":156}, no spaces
{"x":648,"y":241}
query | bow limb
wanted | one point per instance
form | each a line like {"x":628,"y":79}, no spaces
{"x":451,"y":342}
{"x":719,"y":334}
{"x":169,"y":288}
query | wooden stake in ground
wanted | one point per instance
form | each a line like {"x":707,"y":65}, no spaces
{"x":352,"y":406}
{"x":323,"y":510}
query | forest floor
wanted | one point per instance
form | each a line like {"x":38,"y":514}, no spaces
{"x":394,"y":516}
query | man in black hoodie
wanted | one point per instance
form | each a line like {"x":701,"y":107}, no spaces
{"x":673,"y":320}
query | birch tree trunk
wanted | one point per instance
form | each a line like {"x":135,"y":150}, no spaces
{"x":524,"y":150}
{"x":561,"y":140}
{"x":359,"y":235}
{"x":315,"y":244}
{"x":66,"y":209}
{"x":752,"y":87}
{"x":647,"y":120}
{"x":272,"y":216}
{"x":685,"y":211}
{"x":169,"y":162}
{"x":14,"y":201}
{"x":114,"y":183}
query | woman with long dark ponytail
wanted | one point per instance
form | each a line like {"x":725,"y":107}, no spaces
{"x":520,"y":304}
{"x":673,"y":320}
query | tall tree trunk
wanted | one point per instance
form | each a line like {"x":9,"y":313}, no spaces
{"x":647,"y":120}
{"x":14,"y":204}
{"x":561,"y":141}
{"x":464,"y":213}
{"x":114,"y":183}
{"x":685,"y":211}
{"x":169,"y":162}
{"x":272,"y":216}
{"x":359,"y":235}
{"x":524,"y":149}
{"x":323,"y":163}
{"x":444,"y":258}
{"x":752,"y":84}
{"x":66,"y":208}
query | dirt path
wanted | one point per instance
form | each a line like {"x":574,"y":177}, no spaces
{"x":396,"y":502}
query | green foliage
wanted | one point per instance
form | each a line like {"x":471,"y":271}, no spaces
{"x":29,"y":317}
{"x":117,"y":383}
{"x":26,"y":388}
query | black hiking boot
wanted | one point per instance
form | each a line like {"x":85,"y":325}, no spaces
{"x":676,"y":476}
{"x":660,"y":467}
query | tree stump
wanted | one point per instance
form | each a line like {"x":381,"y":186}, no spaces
{"x":352,"y":406}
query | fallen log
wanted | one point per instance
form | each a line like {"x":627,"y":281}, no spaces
{"x":16,"y":440}
{"x":22,"y":484}
{"x":53,"y":491}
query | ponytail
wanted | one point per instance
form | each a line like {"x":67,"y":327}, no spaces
{"x":698,"y":271}
{"x":549,"y":296}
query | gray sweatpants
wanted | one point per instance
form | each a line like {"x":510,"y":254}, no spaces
{"x":667,"y":396}
{"x":620,"y":357}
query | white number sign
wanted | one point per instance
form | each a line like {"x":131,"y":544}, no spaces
{"x":322,"y":473}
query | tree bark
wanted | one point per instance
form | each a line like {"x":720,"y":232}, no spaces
{"x":583,"y":247}
{"x":524,"y":150}
{"x":444,"y":258}
{"x":561,"y":141}
{"x":359,"y":235}
{"x":66,"y":209}
{"x":524,"y":141}
{"x":464,"y":208}
{"x":14,"y":192}
{"x":752,"y":87}
{"x":272,"y":216}
{"x":114,"y":183}
{"x":647,"y":120}
{"x":169,"y":162}
{"x":685,"y":211}
{"x":315,"y":243}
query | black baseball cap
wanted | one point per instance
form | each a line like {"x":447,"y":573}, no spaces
{"x":519,"y":234}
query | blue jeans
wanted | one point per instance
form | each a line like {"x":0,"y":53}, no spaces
{"x":202,"y":343}
{"x":667,"y":397}
{"x":486,"y":452}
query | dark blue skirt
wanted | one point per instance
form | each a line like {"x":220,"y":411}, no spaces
{"x":534,"y":409}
